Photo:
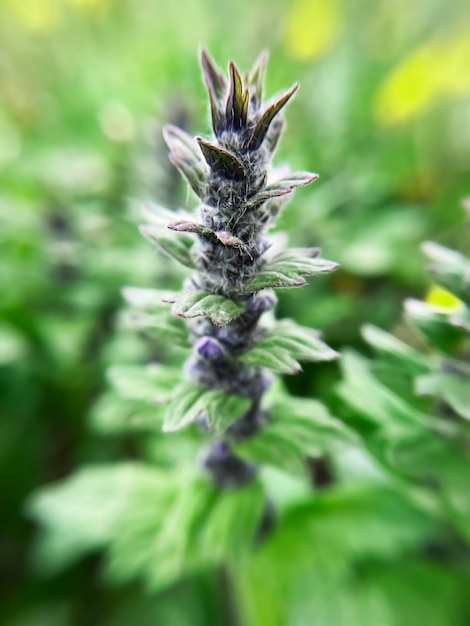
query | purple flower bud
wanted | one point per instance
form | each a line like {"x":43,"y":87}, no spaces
{"x":263,"y":301}
{"x":209,"y":348}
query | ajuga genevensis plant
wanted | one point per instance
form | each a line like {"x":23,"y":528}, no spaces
{"x":235,"y":264}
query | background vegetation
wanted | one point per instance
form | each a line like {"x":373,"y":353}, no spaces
{"x":383,"y":114}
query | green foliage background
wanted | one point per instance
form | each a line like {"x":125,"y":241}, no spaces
{"x":383,"y":115}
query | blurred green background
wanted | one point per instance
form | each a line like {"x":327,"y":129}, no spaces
{"x":383,"y":114}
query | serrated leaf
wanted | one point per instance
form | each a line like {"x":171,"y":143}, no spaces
{"x":161,"y":548}
{"x":231,"y":526}
{"x":267,"y":117}
{"x":215,"y":408}
{"x":218,"y":309}
{"x":298,"y":428}
{"x":177,"y":247}
{"x":78,"y":515}
{"x":282,"y":346}
{"x":375,"y":402}
{"x":288,"y":268}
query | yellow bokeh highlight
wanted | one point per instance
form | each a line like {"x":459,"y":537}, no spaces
{"x":442,"y":301}
{"x":47,"y":15}
{"x":312,"y":27}
{"x":437,"y":69}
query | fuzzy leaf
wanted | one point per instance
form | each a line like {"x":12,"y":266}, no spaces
{"x":267,"y":117}
{"x":185,"y":155}
{"x":216,"y":86}
{"x":199,"y":303}
{"x":215,"y":408}
{"x":297,"y":428}
{"x":213,"y":77}
{"x":279,"y":188}
{"x":221,"y":161}
{"x":256,"y":77}
{"x":288,"y":268}
{"x":151,"y":314}
{"x":281,"y":347}
{"x":177,"y":247}
{"x":265,"y":194}
{"x":187,"y":226}
{"x":237,"y":100}
{"x":450,"y":268}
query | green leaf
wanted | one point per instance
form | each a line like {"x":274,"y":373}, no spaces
{"x":450,"y":268}
{"x":177,"y":247}
{"x":199,"y":303}
{"x":151,"y":314}
{"x":153,"y":383}
{"x":454,"y":389}
{"x":156,"y":536}
{"x":231,"y":526}
{"x":79,"y":514}
{"x":192,"y":403}
{"x":112,"y":414}
{"x":288,"y":268}
{"x":297,"y":428}
{"x":376,"y":403}
{"x":392,"y":348}
{"x":437,"y":328}
{"x":282,"y":346}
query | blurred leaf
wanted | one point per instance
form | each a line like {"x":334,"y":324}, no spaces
{"x":215,"y":409}
{"x":297,"y":428}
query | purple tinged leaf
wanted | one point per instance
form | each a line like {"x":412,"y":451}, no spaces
{"x":267,"y":117}
{"x":266,"y":194}
{"x":187,"y":226}
{"x":221,"y":161}
{"x":229,"y":240}
{"x":185,"y":155}
{"x":213,"y":77}
{"x":237,"y":100}
{"x":215,"y":83}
